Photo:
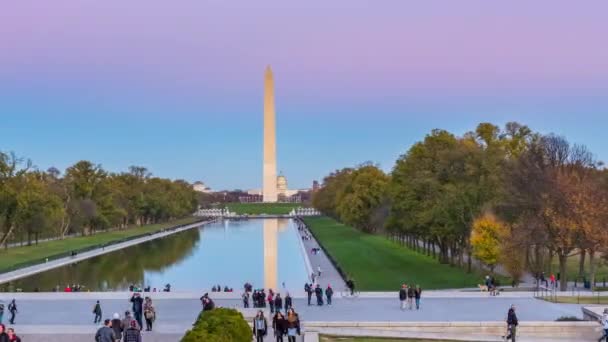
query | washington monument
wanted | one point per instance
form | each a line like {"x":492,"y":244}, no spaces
{"x":269,"y":191}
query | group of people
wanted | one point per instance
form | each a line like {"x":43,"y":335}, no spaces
{"x":282,"y":324}
{"x":71,"y":288}
{"x":12,"y":309}
{"x":492,"y":285}
{"x":129,"y":328}
{"x":409,"y":294}
{"x":318,"y":291}
{"x":8,"y":335}
{"x":217,"y":288}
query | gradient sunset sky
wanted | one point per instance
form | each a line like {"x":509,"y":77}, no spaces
{"x":176,"y":86}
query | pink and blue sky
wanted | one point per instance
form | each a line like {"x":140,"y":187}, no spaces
{"x":177,"y":86}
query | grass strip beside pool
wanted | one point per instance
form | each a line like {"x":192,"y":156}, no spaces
{"x":378,"y":264}
{"x":19,"y":257}
{"x":324,"y":338}
{"x":263,"y":208}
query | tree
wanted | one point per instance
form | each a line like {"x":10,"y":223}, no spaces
{"x":486,"y":238}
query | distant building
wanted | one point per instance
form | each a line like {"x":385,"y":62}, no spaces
{"x":284,"y":194}
{"x":315,"y":185}
{"x":201,"y":187}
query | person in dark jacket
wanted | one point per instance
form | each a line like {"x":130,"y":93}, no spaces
{"x":138,"y":307}
{"x":278,"y":302}
{"x":245,"y":298}
{"x":319,"y":293}
{"x":12,"y":337}
{"x":288,"y":303}
{"x":279,"y":324}
{"x":309,"y":291}
{"x":410,"y":297}
{"x":260,"y":326}
{"x":417,"y":295}
{"x":208,"y":304}
{"x":3,"y":334}
{"x":293,"y":325}
{"x":329,"y":292}
{"x":105,"y":333}
{"x":12,"y":308}
{"x":97,"y":312}
{"x":403,"y":296}
{"x":132,"y":334}
{"x":512,"y":324}
{"x":117,"y":326}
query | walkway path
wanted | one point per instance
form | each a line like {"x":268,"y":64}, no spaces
{"x":27,"y":271}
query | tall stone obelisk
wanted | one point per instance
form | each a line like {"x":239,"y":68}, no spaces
{"x":269,"y":188}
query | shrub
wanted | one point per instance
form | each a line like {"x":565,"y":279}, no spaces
{"x":219,"y":325}
{"x":568,"y":319}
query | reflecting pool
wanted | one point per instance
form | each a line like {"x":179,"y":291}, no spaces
{"x":264,"y":252}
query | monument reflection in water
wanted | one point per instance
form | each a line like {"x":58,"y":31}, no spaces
{"x":264,"y":252}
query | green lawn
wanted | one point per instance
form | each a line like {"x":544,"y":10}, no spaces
{"x":17,"y":257}
{"x":378,"y":264}
{"x":577,"y":300}
{"x":572,"y":267}
{"x":263,"y":208}
{"x":372,"y":339}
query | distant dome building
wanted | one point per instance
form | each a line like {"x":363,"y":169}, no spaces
{"x":281,"y":185}
{"x":201,"y":187}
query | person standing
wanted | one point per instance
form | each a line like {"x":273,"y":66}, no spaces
{"x":319,"y":271}
{"x":288,"y":303}
{"x":117,"y":326}
{"x":12,"y":337}
{"x":271,"y":300}
{"x":418,"y":294}
{"x":278,"y":303}
{"x":132,"y":334}
{"x":3,"y":334}
{"x":319,"y":293}
{"x":126,"y":322}
{"x":293,"y":325}
{"x":105,"y":333}
{"x":12,"y":308}
{"x":604,"y":323}
{"x":149,"y":313}
{"x":97,"y":313}
{"x":403,"y":296}
{"x":279,"y":324}
{"x":1,"y":312}
{"x":410,"y":297}
{"x":329,"y":292}
{"x":245,"y":297}
{"x":260,"y":326}
{"x":512,"y":324}
{"x":138,"y":304}
{"x":309,"y":290}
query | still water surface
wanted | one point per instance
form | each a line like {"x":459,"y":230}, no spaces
{"x":264,"y":252}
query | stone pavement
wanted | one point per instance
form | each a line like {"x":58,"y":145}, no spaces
{"x":27,"y":271}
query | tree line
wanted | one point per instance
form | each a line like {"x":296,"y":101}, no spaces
{"x":507,"y":196}
{"x":83,"y":199}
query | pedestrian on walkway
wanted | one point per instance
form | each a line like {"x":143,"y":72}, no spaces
{"x":293,"y":325}
{"x":418,"y":294}
{"x":403,"y":296}
{"x":309,"y":290}
{"x":1,"y":312}
{"x":287,"y":302}
{"x":105,"y":333}
{"x":271,"y":300}
{"x":126,"y":322}
{"x":97,"y":313}
{"x":138,"y":305}
{"x":319,"y":271}
{"x":410,"y":297}
{"x":132,"y":334}
{"x":260,"y":326}
{"x":117,"y":326}
{"x":278,"y":303}
{"x":12,"y":337}
{"x":279,"y":324}
{"x":319,"y":293}
{"x":512,"y":324}
{"x":604,"y":323}
{"x":149,"y":313}
{"x":12,"y":308}
{"x":3,"y":334}
{"x":329,"y":292}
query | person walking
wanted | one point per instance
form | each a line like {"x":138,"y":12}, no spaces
{"x":138,"y":304}
{"x":604,"y":323}
{"x":3,"y":334}
{"x":403,"y":296}
{"x":279,"y":325}
{"x":132,"y":334}
{"x":293,"y":325}
{"x":105,"y":333}
{"x":271,"y":300}
{"x":512,"y":324}
{"x":308,"y":289}
{"x":1,"y":312}
{"x":278,"y":303}
{"x":97,"y":313}
{"x":329,"y":292}
{"x":12,"y":308}
{"x":260,"y":326}
{"x":12,"y":337}
{"x":149,"y":313}
{"x":126,"y":322}
{"x":319,"y":271}
{"x":288,"y":303}
{"x":117,"y":327}
{"x":319,"y":293}
{"x":418,"y":294}
{"x":410,"y":297}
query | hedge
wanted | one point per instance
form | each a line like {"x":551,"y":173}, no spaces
{"x":219,"y":325}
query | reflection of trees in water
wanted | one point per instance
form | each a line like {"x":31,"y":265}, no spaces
{"x":117,"y":270}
